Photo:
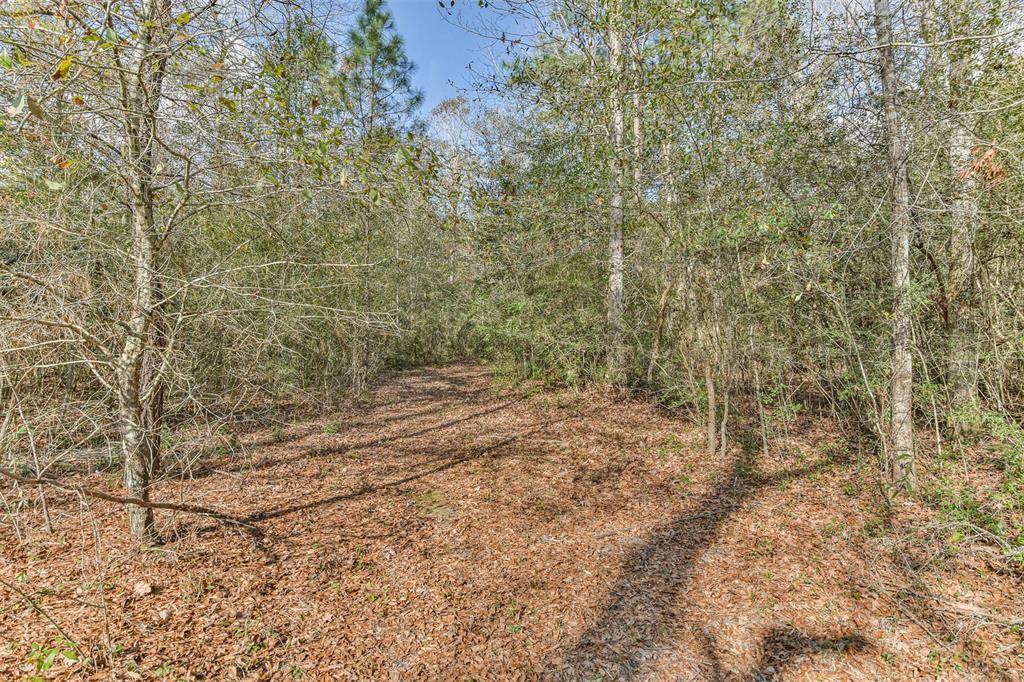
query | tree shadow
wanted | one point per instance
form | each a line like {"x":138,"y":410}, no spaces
{"x":321,"y":452}
{"x":641,"y":606}
{"x":446,"y":464}
{"x":782,"y":646}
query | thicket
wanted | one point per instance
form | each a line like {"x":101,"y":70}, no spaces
{"x":208,"y":208}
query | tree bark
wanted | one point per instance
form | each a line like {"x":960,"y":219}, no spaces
{"x":901,"y":458}
{"x":616,"y":295}
{"x":139,"y":366}
{"x":712,"y":425}
{"x":666,"y":311}
{"x":963,"y":362}
{"x":659,"y":330}
{"x":139,"y":441}
{"x":638,"y":135}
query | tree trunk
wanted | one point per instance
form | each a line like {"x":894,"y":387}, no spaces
{"x":659,"y":330}
{"x":638,"y":135}
{"x":361,"y":341}
{"x":665,"y":309}
{"x":152,"y":381}
{"x":712,"y":425}
{"x":963,"y":363}
{"x":139,"y":368}
{"x":616,"y":295}
{"x":140,"y":441}
{"x":901,"y":464}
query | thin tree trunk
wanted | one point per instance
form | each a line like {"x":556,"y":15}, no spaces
{"x":666,"y":312}
{"x":152,"y":380}
{"x":139,"y":382}
{"x":138,"y":445}
{"x":616,"y":295}
{"x":901,"y":464}
{"x":638,"y":136}
{"x":659,"y":330}
{"x":712,"y":425}
{"x":361,"y":342}
{"x":963,"y":363}
{"x":725,"y":420}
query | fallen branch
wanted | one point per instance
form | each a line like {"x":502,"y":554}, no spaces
{"x":137,"y":501}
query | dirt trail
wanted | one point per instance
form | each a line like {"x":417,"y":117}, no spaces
{"x":450,"y":531}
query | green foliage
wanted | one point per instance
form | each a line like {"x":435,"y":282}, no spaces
{"x":993,"y":517}
{"x":44,"y":656}
{"x":376,"y":73}
{"x":312,"y":232}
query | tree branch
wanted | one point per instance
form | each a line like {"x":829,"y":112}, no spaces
{"x":99,"y":495}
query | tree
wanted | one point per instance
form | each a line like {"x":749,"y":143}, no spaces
{"x":616,"y":218}
{"x":377,"y":75}
{"x":138,"y":371}
{"x":139,"y":105}
{"x":902,"y":406}
{"x":381,"y":101}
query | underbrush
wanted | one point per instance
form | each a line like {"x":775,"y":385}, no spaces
{"x":978,"y":491}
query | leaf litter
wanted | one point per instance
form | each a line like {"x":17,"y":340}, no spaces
{"x":446,"y":530}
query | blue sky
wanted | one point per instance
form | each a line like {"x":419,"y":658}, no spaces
{"x":441,"y":49}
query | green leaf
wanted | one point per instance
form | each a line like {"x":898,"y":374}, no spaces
{"x":229,"y":104}
{"x":18,"y":105}
{"x":23,"y":61}
{"x":62,"y":68}
{"x":6,"y":61}
{"x":184,"y":18}
{"x":52,"y":185}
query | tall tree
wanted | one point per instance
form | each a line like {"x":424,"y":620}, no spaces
{"x":123,"y":98}
{"x":616,"y":213}
{"x":378,"y":74}
{"x":140,"y":387}
{"x":901,"y":464}
{"x":961,"y":60}
{"x":382,"y":101}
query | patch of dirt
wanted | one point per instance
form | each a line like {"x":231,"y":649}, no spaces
{"x":447,"y":530}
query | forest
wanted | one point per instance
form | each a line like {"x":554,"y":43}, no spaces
{"x":679,"y":340}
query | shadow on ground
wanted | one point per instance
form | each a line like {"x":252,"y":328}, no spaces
{"x":642,"y":607}
{"x":446,"y":464}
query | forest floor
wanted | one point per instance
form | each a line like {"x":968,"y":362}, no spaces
{"x":450,"y":530}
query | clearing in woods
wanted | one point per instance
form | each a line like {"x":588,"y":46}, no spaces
{"x":450,"y":530}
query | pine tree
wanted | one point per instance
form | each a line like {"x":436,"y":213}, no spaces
{"x":378,"y":74}
{"x":382,"y":102}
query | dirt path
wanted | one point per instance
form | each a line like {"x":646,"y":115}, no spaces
{"x":450,"y":531}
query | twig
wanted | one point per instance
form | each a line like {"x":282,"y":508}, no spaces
{"x":43,"y":613}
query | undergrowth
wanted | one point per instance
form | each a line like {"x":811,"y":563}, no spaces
{"x":987,"y":512}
